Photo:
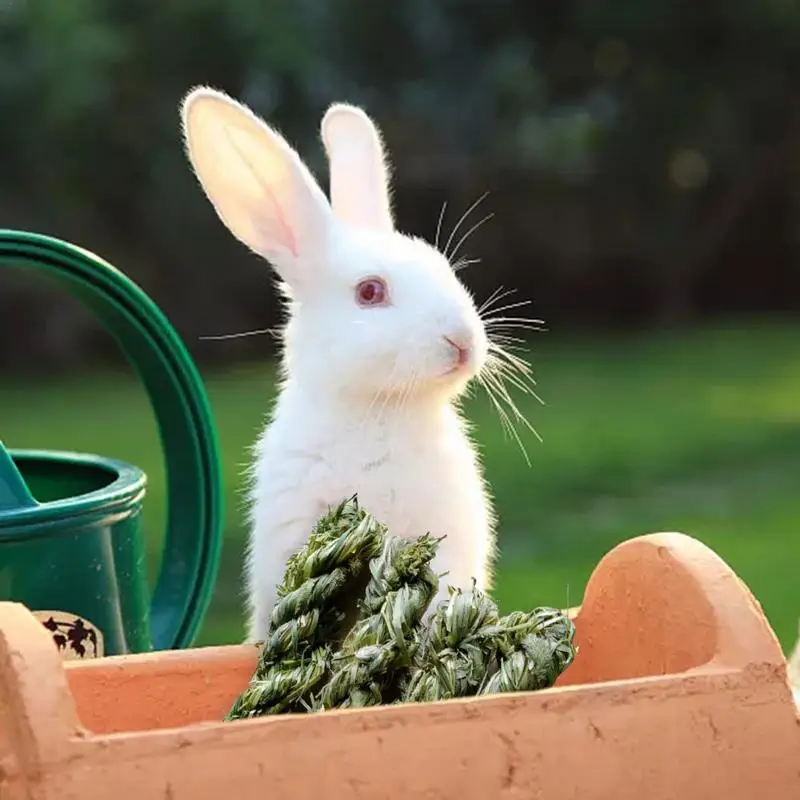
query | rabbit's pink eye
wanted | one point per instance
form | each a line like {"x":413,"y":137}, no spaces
{"x":371,"y":292}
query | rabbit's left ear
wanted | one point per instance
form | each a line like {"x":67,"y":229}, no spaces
{"x":259,"y":186}
{"x":359,"y":173}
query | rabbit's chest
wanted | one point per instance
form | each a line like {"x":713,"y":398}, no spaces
{"x":414,"y":487}
{"x":419,"y":477}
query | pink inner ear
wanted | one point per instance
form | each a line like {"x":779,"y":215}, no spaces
{"x":284,"y":233}
{"x":288,"y":233}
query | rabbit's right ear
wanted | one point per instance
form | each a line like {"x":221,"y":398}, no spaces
{"x":359,"y":172}
{"x":257,"y":183}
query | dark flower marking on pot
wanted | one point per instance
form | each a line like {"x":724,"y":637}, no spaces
{"x":75,"y":635}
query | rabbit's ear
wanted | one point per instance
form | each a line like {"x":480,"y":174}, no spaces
{"x":359,"y":173}
{"x":257,"y":183}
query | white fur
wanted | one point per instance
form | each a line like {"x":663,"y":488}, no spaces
{"x":367,"y":402}
{"x":794,"y":668}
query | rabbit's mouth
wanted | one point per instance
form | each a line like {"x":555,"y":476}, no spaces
{"x":463,"y":357}
{"x":460,"y":373}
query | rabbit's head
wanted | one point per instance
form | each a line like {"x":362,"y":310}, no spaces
{"x":372,"y":311}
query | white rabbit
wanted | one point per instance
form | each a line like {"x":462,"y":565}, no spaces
{"x":381,"y":340}
{"x":794,"y":669}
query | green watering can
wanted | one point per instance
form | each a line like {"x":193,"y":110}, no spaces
{"x":70,"y":540}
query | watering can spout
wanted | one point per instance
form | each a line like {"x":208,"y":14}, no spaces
{"x":14,"y":492}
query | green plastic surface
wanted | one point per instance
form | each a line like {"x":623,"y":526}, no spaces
{"x":80,"y":513}
{"x":14,"y":492}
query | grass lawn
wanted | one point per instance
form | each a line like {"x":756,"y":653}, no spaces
{"x":698,"y":432}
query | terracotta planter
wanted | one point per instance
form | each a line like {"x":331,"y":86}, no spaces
{"x":679,"y":691}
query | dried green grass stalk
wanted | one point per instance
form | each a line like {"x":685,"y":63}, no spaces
{"x":534,"y":647}
{"x":457,"y":650}
{"x":348,"y":629}
{"x":379,"y":644}
{"x":314,"y":600}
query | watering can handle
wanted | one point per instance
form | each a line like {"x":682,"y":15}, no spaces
{"x":195,"y":510}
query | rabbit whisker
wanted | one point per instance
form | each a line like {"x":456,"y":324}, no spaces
{"x":495,"y":297}
{"x":493,"y":320}
{"x":503,"y":369}
{"x":465,"y":262}
{"x":509,"y":306}
{"x":461,"y":221}
{"x":367,"y":414}
{"x":516,"y":371}
{"x":488,"y":383}
{"x":508,"y":340}
{"x":439,"y":225}
{"x":386,"y":393}
{"x":406,"y":395}
{"x":260,"y":332}
{"x":470,"y":232}
{"x":510,"y":324}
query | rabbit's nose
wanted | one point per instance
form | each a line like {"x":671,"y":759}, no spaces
{"x":462,"y":346}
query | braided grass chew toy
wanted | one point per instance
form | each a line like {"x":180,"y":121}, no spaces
{"x":367,"y":667}
{"x":348,"y":629}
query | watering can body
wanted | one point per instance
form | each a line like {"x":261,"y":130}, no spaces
{"x":71,"y":545}
{"x":75,"y":557}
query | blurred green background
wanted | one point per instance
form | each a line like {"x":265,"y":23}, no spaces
{"x":643,"y":168}
{"x":696,"y":432}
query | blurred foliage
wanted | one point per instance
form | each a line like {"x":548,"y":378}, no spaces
{"x":640,"y":158}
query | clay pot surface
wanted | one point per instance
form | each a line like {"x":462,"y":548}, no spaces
{"x":679,"y":690}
